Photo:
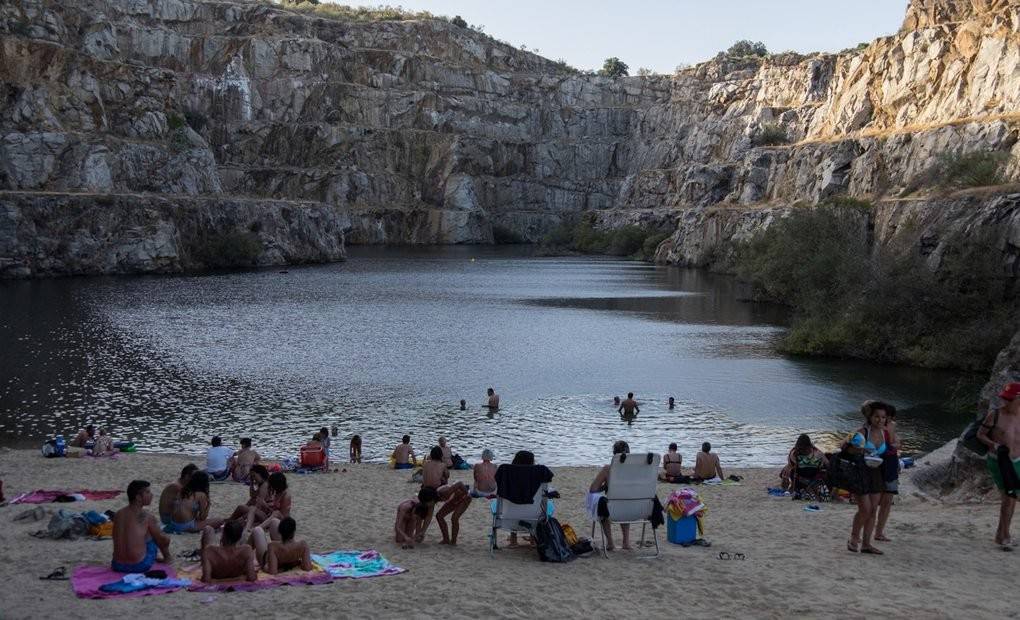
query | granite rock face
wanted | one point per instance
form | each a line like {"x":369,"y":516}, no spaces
{"x":424,"y":132}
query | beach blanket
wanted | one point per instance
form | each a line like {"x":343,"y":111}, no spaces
{"x":356,"y":564}
{"x":41,"y":496}
{"x":265,"y":580}
{"x":86,"y":581}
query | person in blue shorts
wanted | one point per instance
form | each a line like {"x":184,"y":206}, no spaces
{"x":136,"y":534}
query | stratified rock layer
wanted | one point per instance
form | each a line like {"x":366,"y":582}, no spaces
{"x":424,"y":132}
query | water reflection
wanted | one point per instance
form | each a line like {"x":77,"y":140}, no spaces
{"x":390,"y":341}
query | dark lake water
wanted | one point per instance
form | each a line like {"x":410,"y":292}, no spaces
{"x":389,"y":342}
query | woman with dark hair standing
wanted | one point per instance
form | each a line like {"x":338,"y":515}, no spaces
{"x":890,"y":473}
{"x":870,"y":442}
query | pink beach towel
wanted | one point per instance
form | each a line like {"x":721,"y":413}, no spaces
{"x":87,"y":580}
{"x":41,"y":496}
{"x":265,"y":580}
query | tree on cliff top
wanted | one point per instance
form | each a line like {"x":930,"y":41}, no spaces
{"x":614,"y":68}
{"x":745,"y":48}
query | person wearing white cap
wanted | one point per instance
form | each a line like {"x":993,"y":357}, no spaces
{"x":1001,"y":433}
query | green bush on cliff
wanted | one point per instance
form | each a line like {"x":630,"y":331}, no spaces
{"x":582,"y":236}
{"x":614,"y":67}
{"x":849,"y":300}
{"x":979,"y":169}
{"x":651,"y":244}
{"x":745,"y":49}
{"x":228,"y":250}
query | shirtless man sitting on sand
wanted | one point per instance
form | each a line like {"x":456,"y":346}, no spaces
{"x":284,"y":554}
{"x":1000,"y":431}
{"x":172,"y":492}
{"x":413,"y":516}
{"x":706,"y":465}
{"x":229,"y":559}
{"x":136,"y":534}
{"x":240,"y":464}
{"x":485,"y":476}
{"x":403,"y":454}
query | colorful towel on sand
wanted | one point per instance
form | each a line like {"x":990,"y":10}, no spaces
{"x":265,"y":580}
{"x":356,"y":564}
{"x":41,"y":496}
{"x":86,"y":581}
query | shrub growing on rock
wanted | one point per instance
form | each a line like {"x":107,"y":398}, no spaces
{"x":459,"y":21}
{"x":614,"y":67}
{"x":851,"y":301}
{"x":745,"y":48}
{"x":979,"y":169}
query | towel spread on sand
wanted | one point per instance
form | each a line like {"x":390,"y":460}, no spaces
{"x":263,"y":582}
{"x":41,"y":496}
{"x":356,"y":564}
{"x":87,"y":580}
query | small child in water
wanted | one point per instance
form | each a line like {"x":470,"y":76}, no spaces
{"x":356,"y":449}
{"x":412,"y":516}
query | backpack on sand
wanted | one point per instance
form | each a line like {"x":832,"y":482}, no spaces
{"x":551,"y":543}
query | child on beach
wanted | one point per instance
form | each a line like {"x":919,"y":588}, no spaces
{"x":324,"y":440}
{"x":412,"y":517}
{"x":356,"y":449}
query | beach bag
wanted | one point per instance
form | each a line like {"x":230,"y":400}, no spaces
{"x":569,"y":534}
{"x":550,"y":542}
{"x":970,"y":439}
{"x":847,"y":472}
{"x":66,"y":524}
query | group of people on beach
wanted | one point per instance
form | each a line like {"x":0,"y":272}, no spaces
{"x":260,"y":534}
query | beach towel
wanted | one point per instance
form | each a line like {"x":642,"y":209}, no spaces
{"x":87,"y":580}
{"x":41,"y":496}
{"x":356,"y":564}
{"x":265,"y":581}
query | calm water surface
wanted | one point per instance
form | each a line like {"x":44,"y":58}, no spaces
{"x":391,"y":340}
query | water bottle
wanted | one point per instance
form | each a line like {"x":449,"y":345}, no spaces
{"x":61,"y":447}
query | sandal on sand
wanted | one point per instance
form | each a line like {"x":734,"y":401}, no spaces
{"x":191,"y":556}
{"x":739,"y":556}
{"x":872,"y":551}
{"x":724,"y":556}
{"x":853,"y":547}
{"x":59,"y":574}
{"x":883,"y":538}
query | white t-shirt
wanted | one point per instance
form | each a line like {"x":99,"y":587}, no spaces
{"x":216,"y":458}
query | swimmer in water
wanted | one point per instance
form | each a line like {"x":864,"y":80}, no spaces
{"x":672,"y":403}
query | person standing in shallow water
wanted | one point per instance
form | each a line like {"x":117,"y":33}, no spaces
{"x":629,"y":408}
{"x":493,"y":402}
{"x":672,"y":403}
{"x":1000,"y":431}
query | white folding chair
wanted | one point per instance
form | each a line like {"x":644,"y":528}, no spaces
{"x":630,"y":497}
{"x":517,"y":517}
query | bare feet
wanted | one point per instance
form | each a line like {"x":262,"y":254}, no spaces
{"x":871,"y":550}
{"x":882,"y":538}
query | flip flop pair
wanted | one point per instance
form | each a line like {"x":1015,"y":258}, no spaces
{"x":736,"y":556}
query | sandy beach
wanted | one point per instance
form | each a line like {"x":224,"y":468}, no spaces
{"x":941,"y":562}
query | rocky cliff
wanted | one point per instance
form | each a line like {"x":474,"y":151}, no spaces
{"x":424,"y":132}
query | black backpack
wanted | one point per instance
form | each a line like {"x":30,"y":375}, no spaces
{"x":551,"y":543}
{"x":970,"y":439}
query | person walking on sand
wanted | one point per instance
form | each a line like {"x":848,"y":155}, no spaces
{"x":629,"y":407}
{"x":890,"y":474}
{"x":1000,"y":431}
{"x":136,"y":534}
{"x":493,"y":402}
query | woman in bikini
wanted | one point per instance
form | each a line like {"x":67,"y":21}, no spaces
{"x":871,"y":440}
{"x":671,"y":465}
{"x":191,"y":509}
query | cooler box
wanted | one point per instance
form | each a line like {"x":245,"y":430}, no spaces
{"x":681,"y":531}
{"x":312,"y":457}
